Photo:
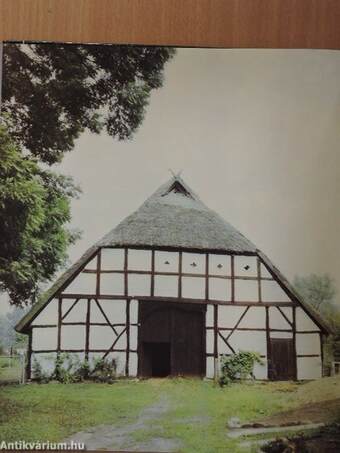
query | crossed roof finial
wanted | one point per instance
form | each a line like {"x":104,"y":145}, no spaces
{"x":174,"y":174}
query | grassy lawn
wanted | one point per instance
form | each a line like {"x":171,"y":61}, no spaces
{"x":197,"y":415}
{"x":10,"y":369}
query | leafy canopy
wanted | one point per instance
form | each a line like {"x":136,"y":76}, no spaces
{"x":34,"y":212}
{"x":53,"y":92}
{"x":317,"y":290}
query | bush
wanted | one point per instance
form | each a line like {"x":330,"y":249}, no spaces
{"x":104,"y":370}
{"x":238,"y":366}
{"x":38,"y":374}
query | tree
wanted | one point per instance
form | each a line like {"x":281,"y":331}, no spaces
{"x":317,"y":290}
{"x":9,"y":338}
{"x":34,"y":212}
{"x":53,"y":92}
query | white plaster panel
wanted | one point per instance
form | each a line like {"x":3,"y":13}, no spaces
{"x":133,"y":364}
{"x":115,"y":311}
{"x":308,"y":343}
{"x":209,"y":316}
{"x":166,"y":286}
{"x":120,"y":358}
{"x":219,"y":289}
{"x":112,"y":259}
{"x":101,"y":337}
{"x":264,"y":272}
{"x":281,"y":334}
{"x":288,"y":311}
{"x":44,"y":338}
{"x":228,"y":316}
{"x":210,"y":367}
{"x":72,"y":337}
{"x":246,"y":291}
{"x":193,"y":287}
{"x":78,"y":312}
{"x":303,"y":321}
{"x":277,"y":320}
{"x":272,"y":292}
{"x":139,"y":260}
{"x":166,"y":261}
{"x":134,"y":311}
{"x":193,"y":263}
{"x":46,"y":361}
{"x":49,"y":315}
{"x":133,"y":337}
{"x":112,"y":284}
{"x":220,"y":265}
{"x":209,"y":341}
{"x":249,"y":341}
{"x":255,"y":318}
{"x":222,"y":347}
{"x":82,"y":284}
{"x":309,"y":368}
{"x":121,"y":343}
{"x":245,"y":266}
{"x":139,"y":285}
{"x":92,"y":264}
{"x":261,"y":371}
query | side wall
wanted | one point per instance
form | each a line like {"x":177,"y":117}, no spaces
{"x":96,"y":314}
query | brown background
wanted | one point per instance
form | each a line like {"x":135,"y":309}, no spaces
{"x":210,"y":23}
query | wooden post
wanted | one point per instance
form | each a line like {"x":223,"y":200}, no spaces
{"x":87,"y":332}
{"x":216,"y":370}
{"x":294,"y":341}
{"x":127,"y":338}
{"x":29,"y":356}
{"x":268,"y":344}
{"x":98,"y":270}
{"x":232,"y":279}
{"x":59,"y":325}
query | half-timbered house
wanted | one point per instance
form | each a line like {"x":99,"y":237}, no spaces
{"x":170,"y":290}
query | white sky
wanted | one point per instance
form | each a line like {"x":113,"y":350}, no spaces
{"x":257,"y":135}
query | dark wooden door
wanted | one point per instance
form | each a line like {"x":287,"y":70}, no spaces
{"x":282,"y":359}
{"x":177,"y":326}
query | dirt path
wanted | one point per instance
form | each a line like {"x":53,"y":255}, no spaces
{"x":109,"y":437}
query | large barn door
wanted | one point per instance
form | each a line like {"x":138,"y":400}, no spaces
{"x":171,"y":339}
{"x":282,"y":359}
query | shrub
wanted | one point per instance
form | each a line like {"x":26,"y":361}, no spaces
{"x":38,"y":374}
{"x":238,"y":366}
{"x":104,"y":370}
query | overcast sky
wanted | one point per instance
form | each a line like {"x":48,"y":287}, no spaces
{"x":257,"y":135}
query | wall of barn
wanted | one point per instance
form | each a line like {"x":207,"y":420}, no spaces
{"x":105,"y":295}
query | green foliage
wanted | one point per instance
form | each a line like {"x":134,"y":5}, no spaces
{"x":53,"y":92}
{"x":104,"y":370}
{"x":69,"y":369}
{"x":9,"y":338}
{"x":317,"y":290}
{"x":38,"y":373}
{"x":35,"y":207}
{"x":238,"y":366}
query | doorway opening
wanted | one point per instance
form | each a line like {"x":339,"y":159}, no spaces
{"x":158,"y":356}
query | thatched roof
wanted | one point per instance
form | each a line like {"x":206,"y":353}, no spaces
{"x":174,"y":216}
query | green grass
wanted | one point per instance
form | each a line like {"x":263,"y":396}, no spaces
{"x":197,"y":414}
{"x":10,"y":369}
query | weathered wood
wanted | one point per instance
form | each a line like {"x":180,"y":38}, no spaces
{"x":180,"y":265}
{"x":114,"y":343}
{"x":232,"y":266}
{"x":87,"y":331}
{"x":286,"y":318}
{"x":29,"y":357}
{"x":226,"y":342}
{"x":294,"y":341}
{"x":99,"y":260}
{"x":268,"y":344}
{"x":152,"y":288}
{"x":127,"y":337}
{"x":259,"y":279}
{"x":206,"y":276}
{"x":282,"y":359}
{"x":59,"y":324}
{"x":126,"y":257}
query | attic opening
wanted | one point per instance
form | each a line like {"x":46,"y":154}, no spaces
{"x":177,"y":187}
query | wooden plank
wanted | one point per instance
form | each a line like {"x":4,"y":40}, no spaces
{"x":87,"y":331}
{"x":106,"y":318}
{"x":127,"y":337}
{"x":29,"y":357}
{"x":68,"y":311}
{"x":98,"y":270}
{"x":59,"y":324}
{"x":294,"y":340}
{"x":268,"y":344}
{"x":232,"y":264}
{"x":208,"y":23}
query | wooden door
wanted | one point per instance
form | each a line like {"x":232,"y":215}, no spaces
{"x":282,"y":359}
{"x":174,"y":326}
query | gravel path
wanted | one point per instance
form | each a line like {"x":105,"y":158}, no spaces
{"x":109,"y":437}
